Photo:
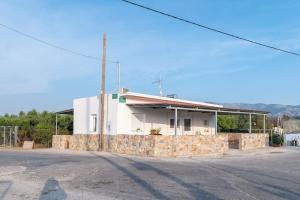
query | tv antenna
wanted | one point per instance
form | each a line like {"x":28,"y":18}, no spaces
{"x":159,"y":82}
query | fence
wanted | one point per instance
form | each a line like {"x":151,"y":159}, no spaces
{"x":8,"y":136}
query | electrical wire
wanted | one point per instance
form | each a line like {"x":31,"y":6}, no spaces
{"x":211,"y":29}
{"x":53,"y":45}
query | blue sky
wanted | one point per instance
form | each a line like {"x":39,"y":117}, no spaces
{"x":194,"y":63}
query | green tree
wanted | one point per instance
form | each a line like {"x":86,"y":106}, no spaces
{"x":227,"y":122}
{"x":38,"y":126}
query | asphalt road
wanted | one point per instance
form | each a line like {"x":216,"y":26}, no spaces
{"x":48,"y":174}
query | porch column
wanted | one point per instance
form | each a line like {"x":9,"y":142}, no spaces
{"x":250,"y":123}
{"x":216,"y":122}
{"x":264,"y":123}
{"x":56,"y":124}
{"x":175,"y":121}
{"x":4,"y":136}
{"x":10,"y":136}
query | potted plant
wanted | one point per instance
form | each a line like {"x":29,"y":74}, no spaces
{"x":155,"y":131}
{"x":138,"y":130}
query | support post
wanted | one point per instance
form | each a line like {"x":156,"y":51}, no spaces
{"x":175,"y":121}
{"x":10,"y":136}
{"x":4,"y":139}
{"x":216,"y":122}
{"x":16,"y":135}
{"x":264,"y":123}
{"x":102,"y":95}
{"x":250,"y":123}
{"x":56,"y":124}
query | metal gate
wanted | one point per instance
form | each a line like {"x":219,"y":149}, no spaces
{"x":8,"y":136}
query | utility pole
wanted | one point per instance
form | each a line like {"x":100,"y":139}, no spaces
{"x":102,"y":97}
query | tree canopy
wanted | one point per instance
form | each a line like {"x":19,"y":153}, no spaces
{"x":38,"y":126}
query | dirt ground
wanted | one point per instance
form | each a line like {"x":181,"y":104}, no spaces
{"x":272,"y":173}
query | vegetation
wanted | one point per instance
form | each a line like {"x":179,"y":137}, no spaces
{"x":38,"y":126}
{"x":277,"y":139}
{"x":240,"y":123}
{"x":155,"y":131}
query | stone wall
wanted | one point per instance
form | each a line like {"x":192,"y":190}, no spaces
{"x":61,"y":141}
{"x":146,"y":145}
{"x":191,"y":145}
{"x":130,"y":144}
{"x":84,"y":142}
{"x":162,"y":145}
{"x":253,"y":141}
{"x":245,"y":141}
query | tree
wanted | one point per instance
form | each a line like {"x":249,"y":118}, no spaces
{"x":227,"y":122}
{"x":38,"y":126}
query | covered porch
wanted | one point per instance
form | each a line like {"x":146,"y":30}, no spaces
{"x":215,"y":112}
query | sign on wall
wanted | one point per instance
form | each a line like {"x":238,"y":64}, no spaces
{"x":122,"y":99}
{"x":114,"y":96}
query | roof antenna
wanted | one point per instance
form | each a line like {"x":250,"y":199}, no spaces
{"x":159,"y":82}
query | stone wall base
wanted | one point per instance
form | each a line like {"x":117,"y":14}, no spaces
{"x":245,"y":141}
{"x":146,"y":145}
{"x":253,"y":141}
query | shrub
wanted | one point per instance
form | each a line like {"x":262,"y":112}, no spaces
{"x":277,"y":139}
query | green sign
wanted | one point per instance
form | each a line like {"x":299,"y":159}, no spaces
{"x":122,"y":99}
{"x":114,"y":96}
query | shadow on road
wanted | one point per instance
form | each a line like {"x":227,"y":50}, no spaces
{"x":4,"y":188}
{"x":52,"y":191}
{"x":147,"y":186}
{"x":194,"y":191}
{"x":265,"y":185}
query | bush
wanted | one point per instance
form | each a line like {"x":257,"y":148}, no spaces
{"x":277,"y":139}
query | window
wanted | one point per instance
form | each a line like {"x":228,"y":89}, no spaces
{"x":187,"y":124}
{"x":93,"y":123}
{"x":172,"y":123}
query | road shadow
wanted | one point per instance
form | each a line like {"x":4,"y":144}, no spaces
{"x":194,"y":191}
{"x":4,"y":188}
{"x":144,"y":184}
{"x":265,"y":186}
{"x":52,"y":191}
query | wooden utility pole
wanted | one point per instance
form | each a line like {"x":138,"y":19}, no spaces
{"x":102,"y":97}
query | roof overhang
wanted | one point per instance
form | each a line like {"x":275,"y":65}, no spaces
{"x":138,"y":98}
{"x":200,"y":109}
{"x":66,"y":112}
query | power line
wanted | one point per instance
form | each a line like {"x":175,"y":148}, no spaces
{"x":209,"y":28}
{"x":53,"y":45}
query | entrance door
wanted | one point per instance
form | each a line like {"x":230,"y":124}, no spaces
{"x":172,"y":126}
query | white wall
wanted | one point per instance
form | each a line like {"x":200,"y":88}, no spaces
{"x":83,"y":109}
{"x":123,"y":119}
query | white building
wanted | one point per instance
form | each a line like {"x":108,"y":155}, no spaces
{"x":134,"y":113}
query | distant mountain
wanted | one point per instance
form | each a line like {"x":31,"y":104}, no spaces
{"x":275,"y":109}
